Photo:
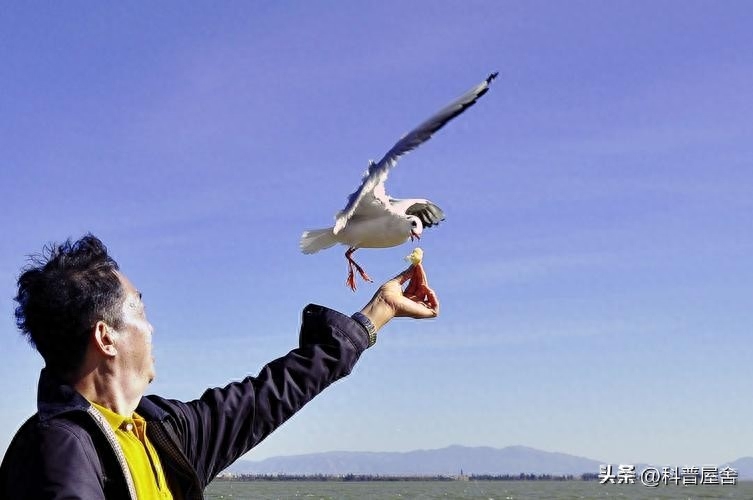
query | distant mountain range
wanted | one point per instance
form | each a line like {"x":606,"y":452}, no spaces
{"x":444,"y":461}
{"x":744,"y":467}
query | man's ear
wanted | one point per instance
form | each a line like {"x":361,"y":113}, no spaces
{"x":104,"y":339}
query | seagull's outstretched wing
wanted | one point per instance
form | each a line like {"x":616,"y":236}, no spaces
{"x":377,"y":172}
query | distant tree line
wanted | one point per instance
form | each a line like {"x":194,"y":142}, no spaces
{"x":523,"y":477}
{"x":329,"y":477}
{"x":379,"y":477}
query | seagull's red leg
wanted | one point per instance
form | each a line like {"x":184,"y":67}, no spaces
{"x":351,"y":279}
{"x":351,"y":264}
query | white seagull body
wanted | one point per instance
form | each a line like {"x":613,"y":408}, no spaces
{"x":371,"y":219}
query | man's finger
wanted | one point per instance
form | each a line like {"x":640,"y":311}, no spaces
{"x":404,"y":275}
{"x":419,"y":275}
{"x":411,"y":290}
{"x":416,"y":309}
{"x":432,"y":299}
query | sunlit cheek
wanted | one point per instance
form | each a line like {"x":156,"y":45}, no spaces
{"x":146,"y":327}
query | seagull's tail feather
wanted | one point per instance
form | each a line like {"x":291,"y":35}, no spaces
{"x":317,"y":239}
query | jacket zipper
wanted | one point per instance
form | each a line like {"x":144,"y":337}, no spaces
{"x":113,"y":440}
{"x":161,"y":437}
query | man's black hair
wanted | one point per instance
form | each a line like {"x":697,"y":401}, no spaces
{"x":62,"y":294}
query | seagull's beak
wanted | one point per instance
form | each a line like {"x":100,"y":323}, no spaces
{"x":414,"y":235}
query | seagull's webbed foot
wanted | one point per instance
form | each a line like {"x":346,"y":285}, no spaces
{"x":362,"y":273}
{"x":351,"y":280}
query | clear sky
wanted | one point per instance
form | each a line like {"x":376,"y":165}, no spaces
{"x":594,"y":269}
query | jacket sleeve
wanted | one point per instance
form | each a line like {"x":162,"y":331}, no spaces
{"x":227,"y":422}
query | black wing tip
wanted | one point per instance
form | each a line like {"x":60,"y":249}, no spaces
{"x":434,"y":222}
{"x":428,"y":213}
{"x":491,"y":77}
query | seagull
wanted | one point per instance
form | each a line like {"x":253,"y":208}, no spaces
{"x":373,"y":219}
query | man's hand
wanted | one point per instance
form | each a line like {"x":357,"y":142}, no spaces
{"x":418,"y":300}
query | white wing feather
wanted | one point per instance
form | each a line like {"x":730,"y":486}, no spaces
{"x":374,"y":178}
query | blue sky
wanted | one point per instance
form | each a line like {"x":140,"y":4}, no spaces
{"x":594,"y":268}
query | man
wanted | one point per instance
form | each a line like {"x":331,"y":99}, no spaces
{"x":96,"y":436}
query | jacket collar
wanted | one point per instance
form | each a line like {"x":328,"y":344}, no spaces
{"x":55,"y":397}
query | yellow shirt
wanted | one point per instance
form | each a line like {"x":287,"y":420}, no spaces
{"x":143,"y":461}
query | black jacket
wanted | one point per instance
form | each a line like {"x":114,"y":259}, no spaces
{"x":66,"y":451}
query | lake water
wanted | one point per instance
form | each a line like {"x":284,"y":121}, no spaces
{"x":476,"y":490}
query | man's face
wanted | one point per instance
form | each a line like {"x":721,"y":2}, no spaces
{"x":135,"y":339}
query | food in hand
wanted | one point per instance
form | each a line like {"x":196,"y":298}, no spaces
{"x":415,"y":256}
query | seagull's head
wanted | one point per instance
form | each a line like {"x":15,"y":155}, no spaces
{"x":416,"y":227}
